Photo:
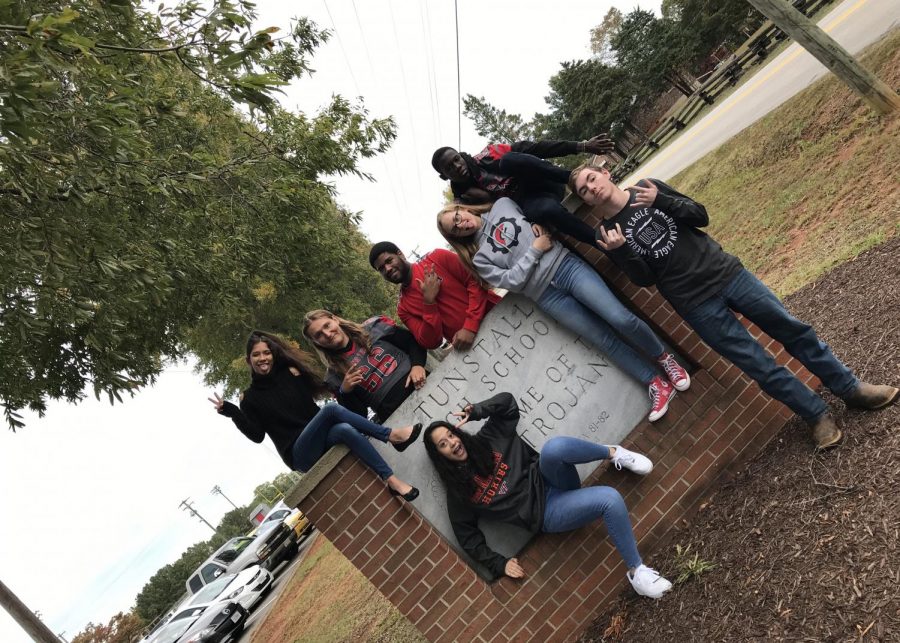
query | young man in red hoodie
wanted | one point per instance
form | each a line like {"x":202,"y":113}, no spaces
{"x":439,"y":298}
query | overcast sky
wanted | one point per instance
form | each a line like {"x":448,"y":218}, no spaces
{"x":91,"y":492}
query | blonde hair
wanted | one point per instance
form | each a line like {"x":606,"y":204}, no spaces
{"x":466,"y":247}
{"x":588,"y":165}
{"x":331,"y":358}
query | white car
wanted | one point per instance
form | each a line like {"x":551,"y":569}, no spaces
{"x":246,"y":587}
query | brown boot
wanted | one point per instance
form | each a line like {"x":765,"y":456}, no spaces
{"x":871,"y":396}
{"x":825,"y":432}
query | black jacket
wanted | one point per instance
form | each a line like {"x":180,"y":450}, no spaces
{"x":513,"y":494}
{"x":665,"y":247}
{"x":279,"y":405}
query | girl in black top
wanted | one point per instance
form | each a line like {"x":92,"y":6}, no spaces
{"x":281,"y":403}
{"x":495,"y":474}
{"x":376,"y":364}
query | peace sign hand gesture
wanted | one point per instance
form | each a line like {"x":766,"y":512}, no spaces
{"x":464,"y":414}
{"x":217,"y":401}
{"x":430,"y":285}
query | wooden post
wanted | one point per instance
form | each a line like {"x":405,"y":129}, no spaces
{"x":876,"y":93}
{"x":26,"y":619}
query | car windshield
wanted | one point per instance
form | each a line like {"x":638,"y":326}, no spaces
{"x":179,"y":624}
{"x":279,"y":515}
{"x":212,"y":590}
{"x":239,"y":545}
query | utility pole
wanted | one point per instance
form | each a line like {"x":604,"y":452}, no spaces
{"x":186,"y":504}
{"x":218,"y":490}
{"x":827,"y":51}
{"x":27,"y":620}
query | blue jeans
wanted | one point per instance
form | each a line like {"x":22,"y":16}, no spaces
{"x":541,"y":188}
{"x":580,"y":300}
{"x":334,"y":424}
{"x":718,"y":327}
{"x":569,"y":507}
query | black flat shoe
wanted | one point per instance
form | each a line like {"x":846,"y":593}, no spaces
{"x":401,"y":446}
{"x":409,"y":496}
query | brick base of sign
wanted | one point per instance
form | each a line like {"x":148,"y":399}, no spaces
{"x":709,"y":432}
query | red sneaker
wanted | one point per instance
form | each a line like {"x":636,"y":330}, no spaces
{"x":661,"y":392}
{"x":675,"y":372}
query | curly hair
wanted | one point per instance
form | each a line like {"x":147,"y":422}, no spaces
{"x":332,"y":359}
{"x":459,"y":477}
{"x":286,"y":353}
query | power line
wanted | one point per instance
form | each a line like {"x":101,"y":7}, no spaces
{"x":390,"y":178}
{"x":458,"y":84}
{"x":432,"y":74}
{"x":412,"y":120}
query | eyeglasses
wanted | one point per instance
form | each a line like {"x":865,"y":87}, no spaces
{"x":457,"y":219}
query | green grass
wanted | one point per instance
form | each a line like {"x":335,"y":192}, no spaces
{"x":329,"y":601}
{"x":810,"y":185}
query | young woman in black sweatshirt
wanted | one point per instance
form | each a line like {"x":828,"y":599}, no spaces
{"x":494,"y":474}
{"x":376,"y":364}
{"x":281,"y":403}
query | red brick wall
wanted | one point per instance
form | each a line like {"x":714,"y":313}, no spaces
{"x":709,"y":431}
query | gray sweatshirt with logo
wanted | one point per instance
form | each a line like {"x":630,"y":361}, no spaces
{"x":505,"y":257}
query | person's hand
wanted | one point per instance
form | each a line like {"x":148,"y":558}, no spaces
{"x":600,"y":144}
{"x":430,"y":285}
{"x":464,"y":414}
{"x":463,"y":339}
{"x":217,"y":401}
{"x":416,"y":377}
{"x":513,"y":569}
{"x":353,"y":377}
{"x":542,"y":239}
{"x":612,"y":239}
{"x":644,"y":193}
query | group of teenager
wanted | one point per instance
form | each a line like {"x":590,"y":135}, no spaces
{"x":503,"y":226}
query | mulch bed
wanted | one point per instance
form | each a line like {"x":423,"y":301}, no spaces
{"x":805,"y":545}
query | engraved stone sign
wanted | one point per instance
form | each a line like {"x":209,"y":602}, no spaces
{"x":563,"y":386}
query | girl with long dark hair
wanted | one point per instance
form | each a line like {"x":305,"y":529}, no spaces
{"x":496,"y":243}
{"x":281,"y":403}
{"x":496,"y":475}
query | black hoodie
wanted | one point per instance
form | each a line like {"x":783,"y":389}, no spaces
{"x":514,"y":492}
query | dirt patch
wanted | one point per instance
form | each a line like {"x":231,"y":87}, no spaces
{"x":806,"y":546}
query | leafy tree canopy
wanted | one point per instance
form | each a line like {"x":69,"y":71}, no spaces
{"x":154,"y":197}
{"x":122,"y":628}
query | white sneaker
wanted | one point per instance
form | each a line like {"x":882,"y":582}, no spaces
{"x":632,"y":461}
{"x":647,"y":582}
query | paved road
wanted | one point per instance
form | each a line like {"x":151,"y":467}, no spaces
{"x":853,"y":23}
{"x":283,"y":577}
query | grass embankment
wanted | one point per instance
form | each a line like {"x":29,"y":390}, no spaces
{"x":328,"y":600}
{"x":807,"y":187}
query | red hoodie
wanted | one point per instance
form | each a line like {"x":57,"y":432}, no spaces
{"x":461,"y":302}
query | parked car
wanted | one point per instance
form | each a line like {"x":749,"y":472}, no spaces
{"x":273,"y":543}
{"x":203,"y":624}
{"x":246,"y":587}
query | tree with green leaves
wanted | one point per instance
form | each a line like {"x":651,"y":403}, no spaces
{"x":156,"y":199}
{"x":168,"y":583}
{"x":652,"y":52}
{"x":495,"y":124}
